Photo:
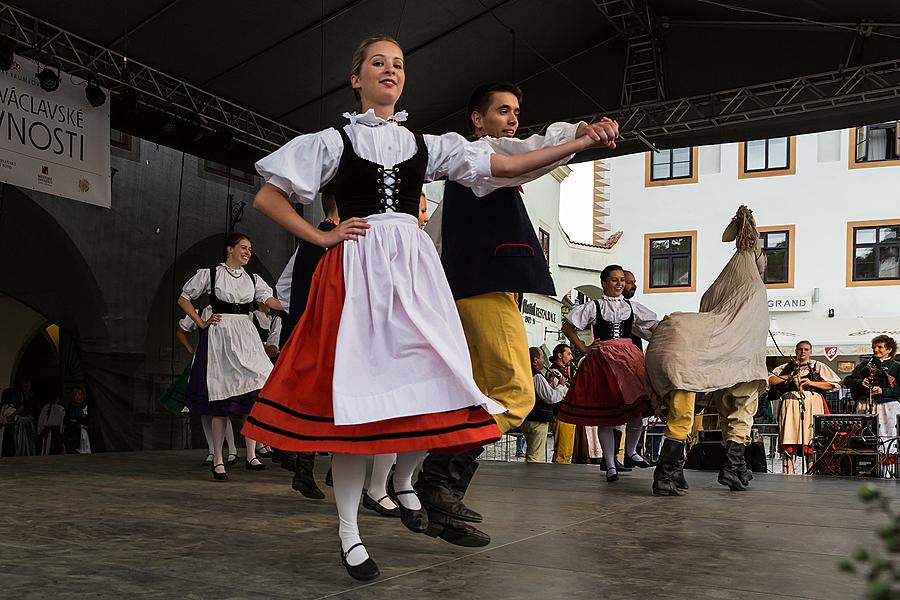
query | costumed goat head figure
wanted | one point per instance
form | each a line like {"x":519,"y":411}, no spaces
{"x":742,"y":231}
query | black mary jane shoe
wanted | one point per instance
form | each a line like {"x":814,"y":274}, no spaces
{"x":611,"y":475}
{"x":232,"y":459}
{"x":248,"y":464}
{"x":376,"y":506}
{"x":264,"y":452}
{"x":641,"y":464}
{"x":209,"y":460}
{"x":416,"y":520}
{"x":367,"y":570}
{"x":219,"y":476}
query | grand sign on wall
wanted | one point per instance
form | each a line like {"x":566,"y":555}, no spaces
{"x":53,"y":142}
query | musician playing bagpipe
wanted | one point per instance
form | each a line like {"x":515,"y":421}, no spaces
{"x":801,"y":385}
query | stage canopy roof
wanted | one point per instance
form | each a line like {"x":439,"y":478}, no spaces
{"x":674,"y":72}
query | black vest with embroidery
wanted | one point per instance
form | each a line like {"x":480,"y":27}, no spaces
{"x":488,"y":244}
{"x":608,"y":330}
{"x":220,"y":307}
{"x":363,"y":187}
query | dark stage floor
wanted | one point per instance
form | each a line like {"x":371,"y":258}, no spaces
{"x":154,"y":525}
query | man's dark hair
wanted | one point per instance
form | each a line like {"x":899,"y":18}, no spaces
{"x":480,"y":100}
{"x":560,"y":348}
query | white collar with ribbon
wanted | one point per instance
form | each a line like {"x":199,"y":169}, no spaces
{"x":372,"y":120}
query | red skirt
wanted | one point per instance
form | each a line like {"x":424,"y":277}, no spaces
{"x":608,"y":388}
{"x":294,"y":410}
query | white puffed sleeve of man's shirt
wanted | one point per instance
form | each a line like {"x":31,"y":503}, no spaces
{"x":546,"y":393}
{"x":557,"y":133}
{"x":302,"y":166}
{"x":583,"y":315}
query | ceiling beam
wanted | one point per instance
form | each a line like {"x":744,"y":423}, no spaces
{"x":136,"y":83}
{"x":758,"y":103}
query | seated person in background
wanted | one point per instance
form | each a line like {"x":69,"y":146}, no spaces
{"x":801,"y":384}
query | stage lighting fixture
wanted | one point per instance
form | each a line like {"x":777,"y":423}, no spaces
{"x":49,"y":80}
{"x":225,"y":138}
{"x":6,"y":56}
{"x":169,"y":124}
{"x":96,"y":97}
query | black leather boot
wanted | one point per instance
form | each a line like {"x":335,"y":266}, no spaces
{"x":678,"y":476}
{"x":744,"y":473}
{"x":666,"y":467}
{"x":304,"y":482}
{"x":443,"y":482}
{"x":730,"y":473}
{"x":456,"y":532}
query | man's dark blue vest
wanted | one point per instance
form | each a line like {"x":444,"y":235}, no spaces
{"x":489,"y":245}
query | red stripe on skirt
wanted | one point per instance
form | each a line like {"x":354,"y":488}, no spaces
{"x":294,"y":411}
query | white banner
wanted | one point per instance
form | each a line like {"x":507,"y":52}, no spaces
{"x":53,"y":142}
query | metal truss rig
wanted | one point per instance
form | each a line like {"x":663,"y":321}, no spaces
{"x":643,"y":79}
{"x":775,"y":100}
{"x":136,"y":82}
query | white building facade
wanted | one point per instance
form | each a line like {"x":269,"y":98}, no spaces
{"x":827,"y":204}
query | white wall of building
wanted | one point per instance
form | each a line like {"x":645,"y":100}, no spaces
{"x":819,"y":200}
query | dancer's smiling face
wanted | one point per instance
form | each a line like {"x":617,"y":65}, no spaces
{"x":381,"y":77}
{"x":614,"y":284}
{"x":241,"y":252}
{"x":501,"y":119}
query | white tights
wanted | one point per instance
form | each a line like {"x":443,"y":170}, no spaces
{"x":381,"y":468}
{"x":633,"y":431}
{"x":349,"y":474}
{"x":206,"y":421}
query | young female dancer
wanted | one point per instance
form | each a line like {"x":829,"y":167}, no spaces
{"x":378,"y":363}
{"x":175,"y":397}
{"x":608,"y":389}
{"x":230,"y":365}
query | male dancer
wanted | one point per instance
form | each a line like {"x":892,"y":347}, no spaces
{"x":720,"y":351}
{"x":491,"y":256}
{"x":292,"y":290}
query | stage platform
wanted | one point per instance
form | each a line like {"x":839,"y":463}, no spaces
{"x":154,"y":525}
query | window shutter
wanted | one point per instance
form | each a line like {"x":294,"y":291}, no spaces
{"x":896,"y":139}
{"x":861,"y":133}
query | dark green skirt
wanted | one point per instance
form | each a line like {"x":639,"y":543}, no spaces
{"x":175,"y":396}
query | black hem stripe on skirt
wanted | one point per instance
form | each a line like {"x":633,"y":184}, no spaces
{"x":307,"y":417}
{"x":369,"y":438}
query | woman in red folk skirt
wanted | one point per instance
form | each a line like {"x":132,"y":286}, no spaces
{"x":608,"y":388}
{"x":378,"y":362}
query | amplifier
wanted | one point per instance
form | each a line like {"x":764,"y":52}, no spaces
{"x":845,"y":432}
{"x":846,"y":464}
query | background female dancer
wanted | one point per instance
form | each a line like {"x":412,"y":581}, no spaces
{"x":230,"y":365}
{"x":378,"y":362}
{"x":175,"y":398}
{"x":608,"y":389}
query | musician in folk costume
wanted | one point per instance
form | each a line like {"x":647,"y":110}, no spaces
{"x":720,"y":351}
{"x":801,"y":385}
{"x":875,"y":386}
